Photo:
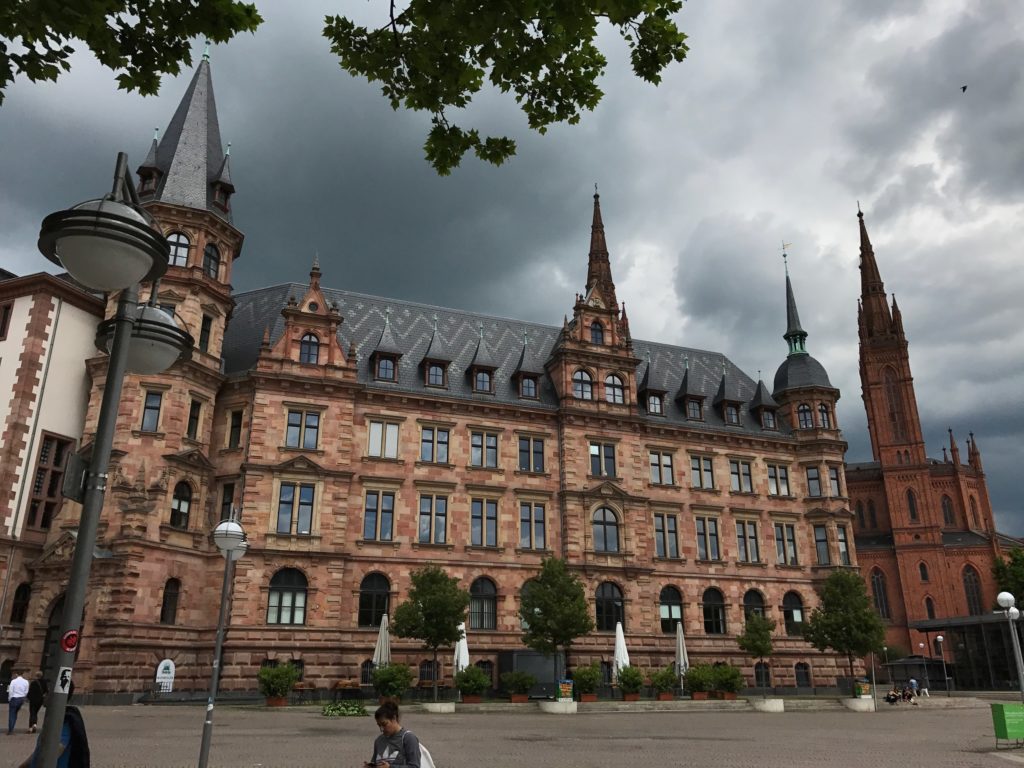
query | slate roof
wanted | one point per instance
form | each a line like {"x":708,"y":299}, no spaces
{"x":964,"y":539}
{"x":761,"y":398}
{"x":412,"y":327}
{"x":653,"y":379}
{"x":800,"y":370}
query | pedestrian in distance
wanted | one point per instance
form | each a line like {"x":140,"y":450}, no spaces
{"x":74,"y":743}
{"x":36,"y":699}
{"x":395,"y":746}
{"x":16,"y":693}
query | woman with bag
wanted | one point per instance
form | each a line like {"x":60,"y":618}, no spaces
{"x":396,"y":746}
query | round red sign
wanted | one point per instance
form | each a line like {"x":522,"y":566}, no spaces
{"x":69,"y":640}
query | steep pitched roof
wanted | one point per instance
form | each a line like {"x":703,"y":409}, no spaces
{"x":762,"y":399}
{"x":529,"y":362}
{"x":438,"y":350}
{"x":653,"y":380}
{"x":386,"y":344}
{"x":483,"y":358}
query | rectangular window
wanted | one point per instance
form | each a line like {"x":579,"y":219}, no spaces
{"x":821,"y":545}
{"x":746,"y":541}
{"x":844,"y":546}
{"x":378,"y":516}
{"x":483,"y":449}
{"x":235,"y":430}
{"x":778,"y":480}
{"x":151,"y":411}
{"x":484,"y":523}
{"x":227,"y":500}
{"x":194,"y":409}
{"x":602,"y":459}
{"x":661,"y":468}
{"x":739,"y":472}
{"x":531,"y":454}
{"x":833,"y":482}
{"x":303,"y":430}
{"x":702,"y":473}
{"x":47,"y":482}
{"x":666,"y":537}
{"x":5,"y":319}
{"x":434,"y":445}
{"x":383,"y":440}
{"x":694,"y":410}
{"x":433,"y":519}
{"x":813,"y":481}
{"x":785,"y":544}
{"x":531,"y":525}
{"x":295,"y":509}
{"x":707,"y":539}
{"x":204,"y":333}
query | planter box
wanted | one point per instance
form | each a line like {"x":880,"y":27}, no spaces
{"x":666,"y":696}
{"x":700,"y":695}
{"x":631,"y":697}
{"x":519,"y":698}
{"x":471,"y":698}
{"x":588,"y":697}
{"x":724,"y":695}
{"x":277,"y":701}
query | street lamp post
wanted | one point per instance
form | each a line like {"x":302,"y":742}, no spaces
{"x":888,"y":670}
{"x":109,"y":244}
{"x":942,"y":652}
{"x":229,"y":536}
{"x":927,"y":683}
{"x":1008,"y":603}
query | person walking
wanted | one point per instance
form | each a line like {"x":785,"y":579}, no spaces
{"x":74,"y":742}
{"x":16,"y":693}
{"x":395,"y":746}
{"x":36,"y":697}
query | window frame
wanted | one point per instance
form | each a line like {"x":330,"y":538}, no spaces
{"x":709,"y":546}
{"x":151,"y":411}
{"x":181,"y":505}
{"x":609,"y":607}
{"x":768,"y":419}
{"x":433,"y":509}
{"x":483,"y":604}
{"x":670,"y":608}
{"x":702,"y":472}
{"x":731,"y":414}
{"x":298,"y":598}
{"x":582,"y":385}
{"x":814,"y":488}
{"x":483,"y":522}
{"x":178,"y":242}
{"x":234,"y":434}
{"x":786,"y":551}
{"x":843,"y":544}
{"x":880,"y":594}
{"x":694,"y":409}
{"x":660,"y":464}
{"x":534,"y":385}
{"x":309,"y":349}
{"x":748,"y":544}
{"x":597,"y":333}
{"x":741,"y":477}
{"x":374,"y":599}
{"x":302,"y":430}
{"x":195,"y":409}
{"x":790,"y":613}
{"x":530,"y":523}
{"x":46,"y":491}
{"x":713,"y":611}
{"x":835,"y":488}
{"x":804,"y":416}
{"x":602,"y":459}
{"x":484,"y":449}
{"x":614,"y":389}
{"x":822,"y":550}
{"x":483,"y":381}
{"x":666,"y":535}
{"x":429,"y":378}
{"x":169,"y":602}
{"x":528,"y":449}
{"x":388,"y":439}
{"x":824,"y":416}
{"x":301,"y":508}
{"x":435,"y":444}
{"x":211,"y":261}
{"x":606,"y":526}
{"x":655,"y":404}
{"x":205,"y":332}
{"x":378,"y":518}
{"x":778,"y":480}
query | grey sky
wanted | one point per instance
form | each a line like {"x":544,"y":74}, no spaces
{"x":783,"y":116}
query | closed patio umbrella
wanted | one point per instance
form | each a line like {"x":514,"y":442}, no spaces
{"x":382,"y":651}
{"x":461,"y":660}
{"x":621,"y":654}
{"x":682,"y":660}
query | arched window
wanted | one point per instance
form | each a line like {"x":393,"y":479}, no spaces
{"x":582,"y":386}
{"x":974,"y":513}
{"x":881,"y":596}
{"x":428,"y":671}
{"x":211,"y":261}
{"x":922,"y":569}
{"x":805,"y":419}
{"x":179,"y":249}
{"x":825,"y":416}
{"x":753,"y":602}
{"x":287,"y":603}
{"x":169,"y":607}
{"x":713,"y":605}
{"x":385,"y":369}
{"x":366,"y":672}
{"x":860,"y":514}
{"x":613,"y":390}
{"x":181,"y":502}
{"x":793,"y":614}
{"x":762,"y":675}
{"x":872,"y":517}
{"x":609,"y":607}
{"x":596,"y":333}
{"x":803,"y":674}
{"x":482,"y":381}
{"x":972,"y":591}
{"x":929,"y":607}
{"x":894,"y":399}
{"x":671,"y":608}
{"x":948,"y":515}
{"x":19,"y":606}
{"x":606,"y":530}
{"x":309,"y":349}
{"x":912,"y":504}
{"x":483,"y":604}
{"x":435,"y":375}
{"x":374,"y":596}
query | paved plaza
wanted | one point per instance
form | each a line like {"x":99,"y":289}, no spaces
{"x":300,"y":736}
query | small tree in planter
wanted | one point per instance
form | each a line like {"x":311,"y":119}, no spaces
{"x":518,"y":685}
{"x":630,"y":680}
{"x":277,"y":682}
{"x":585,"y":680}
{"x":664,"y":682}
{"x":700,"y":679}
{"x":472,"y":682}
{"x":756,"y":640}
{"x":392,"y":681}
{"x":727,"y":681}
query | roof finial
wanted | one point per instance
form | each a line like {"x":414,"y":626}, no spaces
{"x":228,"y":150}
{"x":686,"y":362}
{"x":758,"y":374}
{"x":435,"y":322}
{"x":785,"y":257}
{"x":316,"y":260}
{"x":525,"y":336}
{"x":206,"y":51}
{"x":480,"y":327}
{"x":859,"y":213}
{"x":595,"y":190}
{"x":387,"y":317}
{"x":648,"y":358}
{"x":156,"y":134}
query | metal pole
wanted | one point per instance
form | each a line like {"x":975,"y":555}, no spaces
{"x":225,"y":591}
{"x":874,"y":693}
{"x":85,"y":544}
{"x":1016,"y":654}
{"x":945,"y":675}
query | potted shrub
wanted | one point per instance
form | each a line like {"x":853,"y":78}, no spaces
{"x":664,"y":681}
{"x":518,"y":685}
{"x":472,"y":682}
{"x":277,"y":682}
{"x":699,"y":681}
{"x":392,"y":681}
{"x":585,"y":680}
{"x":728,"y":681}
{"x":630,"y":680}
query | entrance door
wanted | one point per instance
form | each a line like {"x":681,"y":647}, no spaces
{"x":50,"y":648}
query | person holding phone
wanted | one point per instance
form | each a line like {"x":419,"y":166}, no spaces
{"x":395,"y":746}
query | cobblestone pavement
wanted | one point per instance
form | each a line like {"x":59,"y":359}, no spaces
{"x":169,"y":736}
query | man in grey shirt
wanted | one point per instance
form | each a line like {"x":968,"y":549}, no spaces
{"x":395,"y":746}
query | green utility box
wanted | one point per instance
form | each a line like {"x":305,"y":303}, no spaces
{"x":1008,"y":721}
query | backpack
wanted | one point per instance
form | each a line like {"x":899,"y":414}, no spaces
{"x":78,"y":745}
{"x":426,"y":761}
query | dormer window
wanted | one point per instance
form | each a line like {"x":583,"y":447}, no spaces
{"x":582,"y":386}
{"x":614,"y":392}
{"x":220,"y":196}
{"x":694,"y":409}
{"x":482,"y":381}
{"x":768,"y":419}
{"x":732,"y":414}
{"x":435,"y":375}
{"x":654,"y":405}
{"x":596,"y":333}
{"x":528,"y":387}
{"x":211,"y":261}
{"x":309,"y":349}
{"x":385,"y":369}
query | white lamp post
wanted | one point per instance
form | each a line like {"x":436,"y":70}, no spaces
{"x":927,"y":658}
{"x":885,"y":653}
{"x":1008,"y":602}
{"x":108,"y":244}
{"x":942,"y":652}
{"x":229,"y":536}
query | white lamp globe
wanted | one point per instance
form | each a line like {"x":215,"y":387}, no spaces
{"x":1014,"y":614}
{"x":152,"y":350}
{"x":1006,"y":600}
{"x":229,"y":536}
{"x":940,"y":639}
{"x":235,"y":554}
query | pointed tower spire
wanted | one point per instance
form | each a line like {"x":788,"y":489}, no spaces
{"x":795,"y":335}
{"x":954,"y":449}
{"x":599,"y":271}
{"x":877,"y":320}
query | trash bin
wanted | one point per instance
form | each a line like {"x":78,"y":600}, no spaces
{"x":862,"y":688}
